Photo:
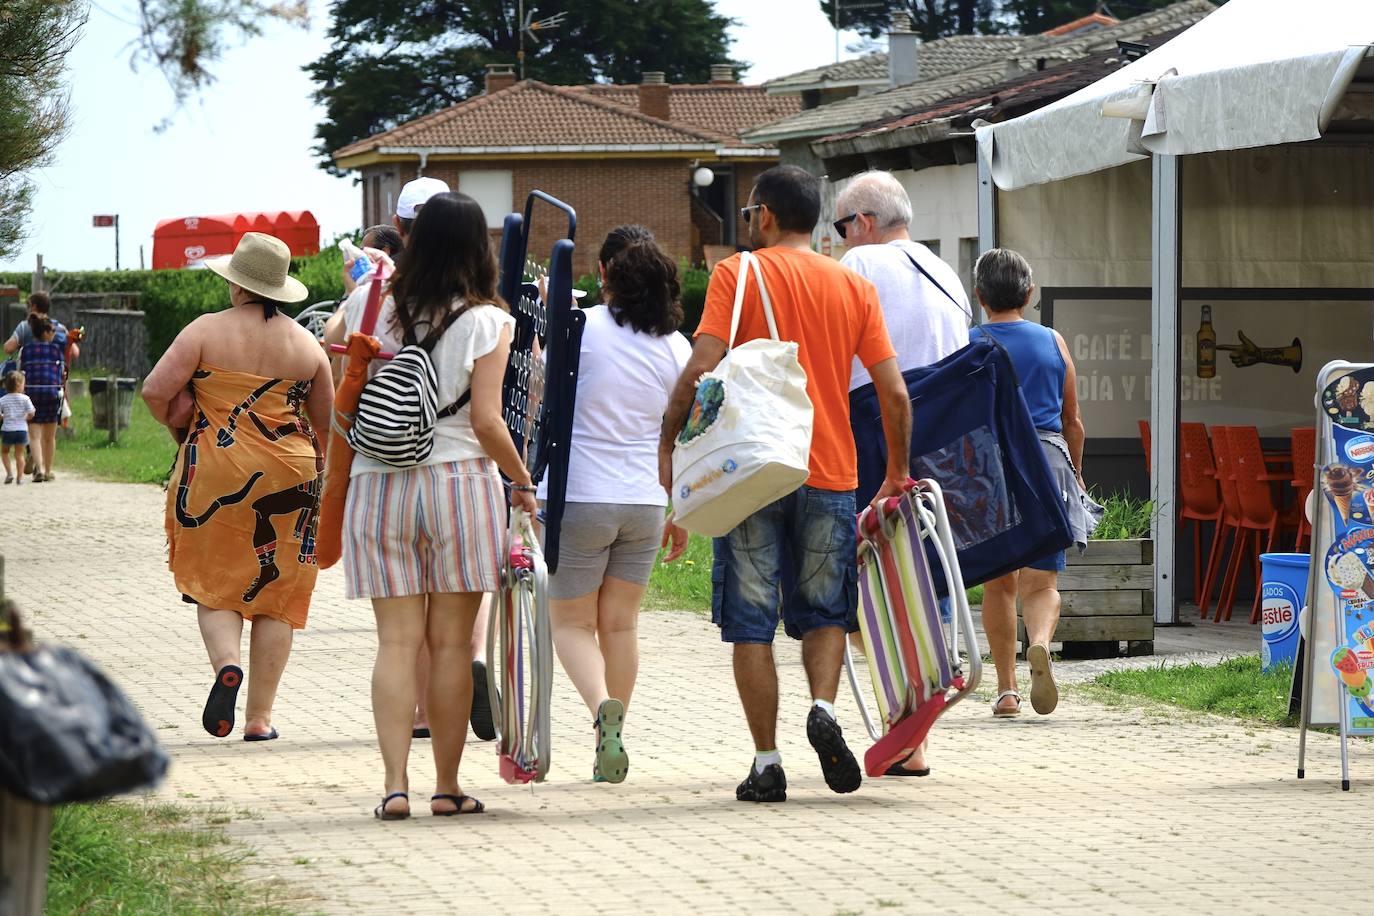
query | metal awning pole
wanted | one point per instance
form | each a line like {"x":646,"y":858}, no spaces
{"x":987,"y":214}
{"x":1166,"y":221}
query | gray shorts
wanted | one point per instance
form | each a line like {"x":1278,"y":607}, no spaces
{"x":605,"y":539}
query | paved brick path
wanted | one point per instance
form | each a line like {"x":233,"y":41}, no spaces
{"x":1091,"y":809}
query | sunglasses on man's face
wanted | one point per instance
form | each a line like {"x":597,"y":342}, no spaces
{"x":746,"y":213}
{"x":842,"y":225}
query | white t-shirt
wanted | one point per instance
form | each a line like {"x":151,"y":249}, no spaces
{"x":15,"y":409}
{"x":925,"y":326}
{"x":473,"y":335}
{"x":624,"y":379}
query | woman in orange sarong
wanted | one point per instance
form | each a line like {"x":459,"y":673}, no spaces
{"x":235,"y":388}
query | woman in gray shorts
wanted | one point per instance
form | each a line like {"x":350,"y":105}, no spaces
{"x":614,"y":524}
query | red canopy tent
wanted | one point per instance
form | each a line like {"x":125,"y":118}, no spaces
{"x":186,"y":241}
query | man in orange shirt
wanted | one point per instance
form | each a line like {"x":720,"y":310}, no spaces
{"x":797,"y":555}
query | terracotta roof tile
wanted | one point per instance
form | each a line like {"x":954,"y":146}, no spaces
{"x":534,"y":114}
{"x":932,"y":59}
{"x":727,"y":109}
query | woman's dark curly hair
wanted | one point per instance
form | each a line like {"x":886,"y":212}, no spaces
{"x":642,"y":288}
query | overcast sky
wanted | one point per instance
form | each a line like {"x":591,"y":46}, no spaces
{"x":245,"y":143}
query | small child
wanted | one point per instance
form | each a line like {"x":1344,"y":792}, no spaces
{"x":16,"y":410}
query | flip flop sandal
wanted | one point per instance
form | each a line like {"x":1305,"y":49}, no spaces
{"x":1006,"y":713}
{"x":482,"y":725}
{"x":611,"y":760}
{"x":218,"y":717}
{"x":419,"y":733}
{"x":266,"y":736}
{"x":897,"y":769}
{"x":477,"y":806}
{"x":382,"y":814}
{"x":1044,"y":693}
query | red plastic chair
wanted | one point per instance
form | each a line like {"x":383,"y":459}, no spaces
{"x":1145,"y":441}
{"x":1259,"y":512}
{"x":1201,"y":500}
{"x":1230,"y":516}
{"x":1304,"y":475}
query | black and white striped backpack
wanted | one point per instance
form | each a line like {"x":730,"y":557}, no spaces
{"x":399,"y":406}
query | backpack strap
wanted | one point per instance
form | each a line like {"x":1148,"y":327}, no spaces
{"x":456,"y":406}
{"x":925,"y":273}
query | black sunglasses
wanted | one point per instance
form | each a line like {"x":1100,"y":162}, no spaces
{"x":842,"y":225}
{"x":747,"y":212}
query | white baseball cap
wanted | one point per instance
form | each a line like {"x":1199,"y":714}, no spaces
{"x":415,"y":193}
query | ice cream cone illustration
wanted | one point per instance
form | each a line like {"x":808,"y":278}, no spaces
{"x":1340,"y":483}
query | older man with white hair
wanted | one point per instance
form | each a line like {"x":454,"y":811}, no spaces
{"x":923,"y":302}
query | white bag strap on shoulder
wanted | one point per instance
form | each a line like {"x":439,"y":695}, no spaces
{"x":748,"y":262}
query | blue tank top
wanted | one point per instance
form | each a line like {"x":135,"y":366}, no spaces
{"x":1039,"y":365}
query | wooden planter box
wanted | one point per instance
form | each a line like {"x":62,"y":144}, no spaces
{"x":1107,"y":598}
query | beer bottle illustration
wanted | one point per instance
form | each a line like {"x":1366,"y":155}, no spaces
{"x":1206,"y":346}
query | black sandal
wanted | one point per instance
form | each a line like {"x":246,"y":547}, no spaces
{"x":477,"y":806}
{"x":218,"y":717}
{"x":382,"y":814}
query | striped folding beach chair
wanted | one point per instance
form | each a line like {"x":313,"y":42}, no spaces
{"x":520,"y":658}
{"x":912,"y":652}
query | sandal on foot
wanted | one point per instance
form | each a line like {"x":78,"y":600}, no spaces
{"x":419,"y":732}
{"x":382,"y":814}
{"x":899,"y":768}
{"x":1006,"y":713}
{"x":477,"y":806}
{"x":265,"y":736}
{"x":1044,"y":693}
{"x":218,"y":717}
{"x":837,"y":760}
{"x":482,"y":725}
{"x":611,"y":760}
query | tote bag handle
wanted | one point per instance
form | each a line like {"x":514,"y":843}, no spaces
{"x":747,"y":261}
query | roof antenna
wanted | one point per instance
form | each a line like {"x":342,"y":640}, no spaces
{"x":529,"y":25}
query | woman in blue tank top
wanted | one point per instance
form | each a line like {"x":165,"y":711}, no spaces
{"x":1002,"y":280}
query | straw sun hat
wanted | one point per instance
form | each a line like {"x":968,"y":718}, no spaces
{"x":259,"y":265}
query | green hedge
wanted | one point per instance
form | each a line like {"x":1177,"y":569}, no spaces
{"x":172,"y":299}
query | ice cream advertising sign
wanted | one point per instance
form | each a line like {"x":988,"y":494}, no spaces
{"x":1348,"y":484}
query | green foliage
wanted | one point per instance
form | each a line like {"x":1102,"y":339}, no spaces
{"x":115,"y":857}
{"x":684,"y":584}
{"x":1126,"y":518}
{"x":172,"y":299}
{"x":1235,"y":687}
{"x":142,"y":454}
{"x":35,"y":38}
{"x":391,"y":62}
{"x":933,"y":19}
{"x":694,"y":282}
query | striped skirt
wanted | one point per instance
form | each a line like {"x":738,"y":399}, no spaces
{"x":430,"y":529}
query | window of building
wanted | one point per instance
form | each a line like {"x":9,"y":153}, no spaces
{"x":968,"y":256}
{"x":933,"y":245}
{"x":493,"y":189}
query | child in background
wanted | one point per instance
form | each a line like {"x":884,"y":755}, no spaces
{"x":16,"y":410}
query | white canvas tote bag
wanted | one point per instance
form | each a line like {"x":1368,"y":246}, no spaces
{"x":747,"y":441}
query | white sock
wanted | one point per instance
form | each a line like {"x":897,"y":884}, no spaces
{"x":765,"y":759}
{"x":827,"y":708}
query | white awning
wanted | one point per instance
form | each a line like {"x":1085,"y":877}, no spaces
{"x":1254,"y":73}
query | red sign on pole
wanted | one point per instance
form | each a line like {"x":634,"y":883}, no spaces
{"x":102,"y":222}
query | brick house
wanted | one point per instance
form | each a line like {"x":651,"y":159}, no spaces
{"x":616,"y":153}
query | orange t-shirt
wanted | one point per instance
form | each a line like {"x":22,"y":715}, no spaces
{"x":833,"y":315}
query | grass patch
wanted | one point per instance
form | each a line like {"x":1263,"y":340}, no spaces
{"x":1124,"y":519}
{"x":143,"y":453}
{"x":684,"y":584}
{"x":111,"y":857}
{"x":1235,"y":687}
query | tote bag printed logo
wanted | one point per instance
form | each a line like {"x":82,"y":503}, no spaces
{"x":729,"y":467}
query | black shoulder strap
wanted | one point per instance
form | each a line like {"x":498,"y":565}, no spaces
{"x":925,"y":273}
{"x":432,"y":338}
{"x":456,"y":406}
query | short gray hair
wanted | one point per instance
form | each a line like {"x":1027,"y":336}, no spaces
{"x":878,"y":193}
{"x":1003,"y":279}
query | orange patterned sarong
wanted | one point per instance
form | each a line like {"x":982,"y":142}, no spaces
{"x":243,"y":499}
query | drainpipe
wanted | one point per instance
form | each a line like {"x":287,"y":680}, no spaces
{"x":424,"y":161}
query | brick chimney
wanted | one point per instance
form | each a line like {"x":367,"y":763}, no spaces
{"x":722,"y":75}
{"x":653,"y":95}
{"x":499,"y":76}
{"x":903,"y":46}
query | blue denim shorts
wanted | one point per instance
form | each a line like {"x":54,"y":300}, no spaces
{"x":793,"y":559}
{"x":14,"y":437}
{"x":1052,"y":563}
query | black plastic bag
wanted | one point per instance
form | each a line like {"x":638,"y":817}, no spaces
{"x":67,"y":733}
